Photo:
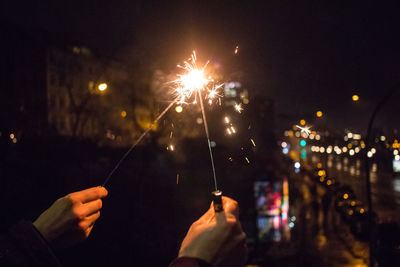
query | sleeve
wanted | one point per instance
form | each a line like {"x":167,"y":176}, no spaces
{"x":189,"y":262}
{"x":23,"y":245}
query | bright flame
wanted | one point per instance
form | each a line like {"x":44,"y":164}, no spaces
{"x":194,"y":79}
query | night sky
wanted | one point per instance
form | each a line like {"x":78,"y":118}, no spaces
{"x":307,"y":55}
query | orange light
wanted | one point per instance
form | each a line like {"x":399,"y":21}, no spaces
{"x":123,"y":114}
{"x":355,"y":98}
{"x":303,"y":122}
{"x":102,"y":87}
{"x":345,"y":196}
{"x":179,"y":109}
{"x":319,"y":114}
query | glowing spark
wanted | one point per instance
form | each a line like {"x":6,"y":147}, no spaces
{"x":233,"y":129}
{"x":238,"y":108}
{"x":171,"y":147}
{"x":229,"y":131}
{"x":193,"y":80}
{"x":248,"y":161}
{"x":236,"y":49}
{"x":252,"y":141}
{"x":227,"y":120}
{"x":305,"y":129}
{"x":170,"y":135}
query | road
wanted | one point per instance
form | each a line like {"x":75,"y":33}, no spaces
{"x":385,"y":187}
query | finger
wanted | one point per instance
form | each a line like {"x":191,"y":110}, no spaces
{"x":90,"y":194}
{"x":87,"y":231}
{"x":89,"y":221}
{"x":206,"y":217}
{"x":231,"y":207}
{"x":92,"y":207}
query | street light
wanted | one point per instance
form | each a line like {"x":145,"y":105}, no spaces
{"x":319,"y":114}
{"x":355,"y":98}
{"x":179,"y":109}
{"x":102,"y":87}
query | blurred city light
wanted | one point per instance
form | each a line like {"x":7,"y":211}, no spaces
{"x":102,"y":87}
{"x":297,"y":165}
{"x":179,"y":109}
{"x":319,"y":114}
{"x":355,"y":98}
{"x":303,"y":122}
{"x":123,"y":114}
{"x":303,"y":143}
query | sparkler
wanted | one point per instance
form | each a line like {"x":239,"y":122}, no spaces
{"x":190,"y":85}
{"x":138,"y":141}
{"x":188,"y":88}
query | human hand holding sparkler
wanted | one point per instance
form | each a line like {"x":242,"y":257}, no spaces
{"x":217,"y":237}
{"x":71,"y":218}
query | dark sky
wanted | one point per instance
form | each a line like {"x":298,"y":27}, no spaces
{"x":307,"y":55}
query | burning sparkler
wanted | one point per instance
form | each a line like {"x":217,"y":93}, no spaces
{"x":187,"y":88}
{"x":190,"y":85}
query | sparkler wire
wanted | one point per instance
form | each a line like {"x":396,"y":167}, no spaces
{"x":138,"y":141}
{"x":208,"y":140}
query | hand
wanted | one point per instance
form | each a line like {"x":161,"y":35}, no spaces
{"x":216,"y":236}
{"x":71,"y":218}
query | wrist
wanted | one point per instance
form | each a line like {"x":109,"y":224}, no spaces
{"x":198,"y":254}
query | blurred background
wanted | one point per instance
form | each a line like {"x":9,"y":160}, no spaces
{"x":81,"y":80}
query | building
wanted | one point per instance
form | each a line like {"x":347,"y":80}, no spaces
{"x":49,"y":88}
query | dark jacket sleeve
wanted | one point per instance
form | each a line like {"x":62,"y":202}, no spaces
{"x":189,"y":262}
{"x":23,"y":245}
